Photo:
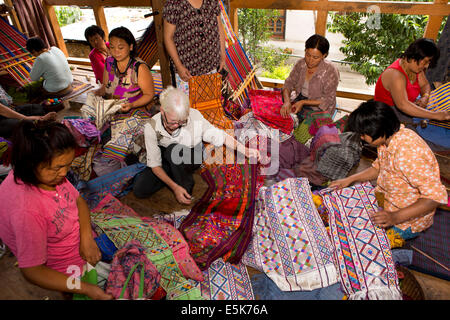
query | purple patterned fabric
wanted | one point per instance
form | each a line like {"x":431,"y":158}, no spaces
{"x":122,"y":263}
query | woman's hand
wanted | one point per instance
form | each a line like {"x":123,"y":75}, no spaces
{"x":100,"y":91}
{"x":89,"y":250}
{"x":423,"y":101}
{"x":126,"y":107}
{"x":96,"y":293}
{"x":383,"y":218}
{"x":341,"y":183}
{"x":298,"y":106}
{"x":253,"y":153}
{"x":443,"y":115}
{"x":182,"y":195}
{"x":285,"y":109}
{"x":184,"y":73}
{"x":48,"y":116}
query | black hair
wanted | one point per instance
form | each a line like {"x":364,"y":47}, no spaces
{"x":375,"y":119}
{"x":35,"y":143}
{"x":126,"y":35}
{"x":421,"y":49}
{"x":35,"y":44}
{"x":318,"y":42}
{"x":92,"y":31}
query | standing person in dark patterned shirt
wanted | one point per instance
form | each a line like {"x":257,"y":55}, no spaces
{"x":193,"y":37}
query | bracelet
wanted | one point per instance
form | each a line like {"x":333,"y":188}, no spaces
{"x":426,"y":94}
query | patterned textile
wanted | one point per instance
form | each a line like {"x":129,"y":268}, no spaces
{"x":205,"y":96}
{"x":222,"y":280}
{"x":100,"y":109}
{"x":266,"y":106}
{"x":433,"y":242}
{"x":111,"y":205}
{"x":118,"y":183}
{"x":290,"y":243}
{"x":124,"y":260}
{"x":82,"y":165}
{"x":219,"y":224}
{"x":121,"y":229}
{"x":338,"y":159}
{"x":325,"y":137}
{"x":125,"y":129}
{"x":439,"y":100}
{"x":362,"y":250}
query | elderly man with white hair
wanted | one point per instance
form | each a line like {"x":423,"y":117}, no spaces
{"x":174,"y":143}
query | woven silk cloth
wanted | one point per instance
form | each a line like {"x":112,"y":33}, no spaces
{"x":222,"y":280}
{"x":101,"y":110}
{"x":363,"y":254}
{"x":266,"y":106}
{"x":82,"y":165}
{"x":122,"y":229}
{"x":440,"y":101}
{"x":124,"y":260}
{"x":219,"y":225}
{"x":290,"y":242}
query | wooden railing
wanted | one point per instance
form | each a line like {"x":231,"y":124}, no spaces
{"x":436,"y":11}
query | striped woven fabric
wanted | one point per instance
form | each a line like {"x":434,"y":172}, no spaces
{"x":147,"y":48}
{"x":14,"y":57}
{"x":363,"y":257}
{"x":440,"y":101}
{"x":219,"y":225}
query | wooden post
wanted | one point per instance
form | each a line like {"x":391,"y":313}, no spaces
{"x":13,"y":15}
{"x":233,"y":15}
{"x":434,"y":23}
{"x":157,"y":5}
{"x":321,"y":22}
{"x":100,"y":19}
{"x":56,"y":28}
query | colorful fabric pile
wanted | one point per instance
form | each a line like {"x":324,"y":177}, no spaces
{"x":363,"y":256}
{"x":219,"y":224}
{"x":290,"y":242}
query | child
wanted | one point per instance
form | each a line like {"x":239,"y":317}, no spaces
{"x":45,"y":221}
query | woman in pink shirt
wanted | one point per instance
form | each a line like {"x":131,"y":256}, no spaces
{"x":95,"y":36}
{"x":45,"y":221}
{"x":406,"y":170}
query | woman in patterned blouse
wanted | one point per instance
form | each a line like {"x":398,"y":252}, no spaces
{"x":313,"y":80}
{"x":193,"y":37}
{"x":406,"y":170}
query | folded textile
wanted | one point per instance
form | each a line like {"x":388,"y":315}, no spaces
{"x":290,"y":242}
{"x":219,"y":225}
{"x":325,"y":137}
{"x":362,"y":250}
{"x":222,"y":280}
{"x":121,"y":229}
{"x":266,"y":106}
{"x":338,"y":159}
{"x":265,"y":289}
{"x":100,"y":109}
{"x":124,"y":260}
{"x":118,"y":183}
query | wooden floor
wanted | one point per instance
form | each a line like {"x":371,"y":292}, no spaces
{"x":14,"y":287}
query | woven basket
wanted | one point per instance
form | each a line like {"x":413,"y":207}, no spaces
{"x":409,"y":286}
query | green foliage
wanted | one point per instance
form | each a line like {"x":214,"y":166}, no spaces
{"x":372,"y":42}
{"x":269,"y":57}
{"x":67,"y":15}
{"x":279,"y":72}
{"x":253,"y":29}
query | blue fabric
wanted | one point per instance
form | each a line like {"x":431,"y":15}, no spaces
{"x":265,"y":289}
{"x":406,"y":234}
{"x":402,"y":256}
{"x":118,"y":183}
{"x":435,"y":134}
{"x":106,"y":246}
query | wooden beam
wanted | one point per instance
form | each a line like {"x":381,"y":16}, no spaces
{"x":434,"y":23}
{"x":51,"y":15}
{"x":13,"y":15}
{"x":234,"y":21}
{"x":157,"y":5}
{"x":97,"y":3}
{"x":420,"y":8}
{"x":100,"y":19}
{"x":321,"y":21}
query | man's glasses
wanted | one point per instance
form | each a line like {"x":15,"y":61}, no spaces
{"x":180,"y":123}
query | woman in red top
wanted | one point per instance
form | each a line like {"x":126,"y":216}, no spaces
{"x":403,"y":81}
{"x":95,"y":36}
